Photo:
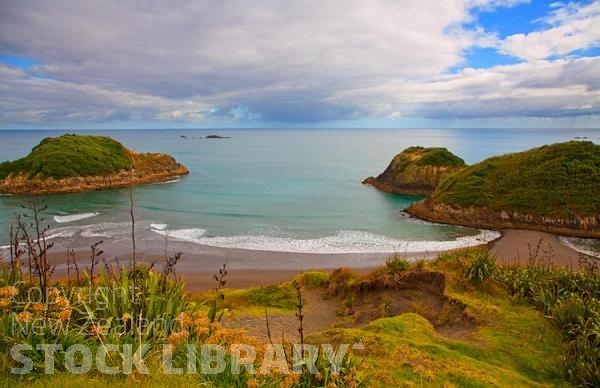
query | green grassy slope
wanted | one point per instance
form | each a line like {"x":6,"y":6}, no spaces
{"x":556,"y":180}
{"x":71,"y":156}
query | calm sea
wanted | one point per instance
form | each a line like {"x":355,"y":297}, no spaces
{"x":278,"y":189}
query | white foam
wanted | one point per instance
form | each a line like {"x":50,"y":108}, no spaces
{"x":175,"y":180}
{"x":159,"y":226}
{"x":192,"y":234}
{"x":579,"y":245}
{"x":105,"y":230}
{"x":66,"y":231}
{"x":74,"y":217}
{"x":342,"y":242}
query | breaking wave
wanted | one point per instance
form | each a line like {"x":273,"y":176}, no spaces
{"x":582,"y":245}
{"x":74,"y":217}
{"x":341,"y":242}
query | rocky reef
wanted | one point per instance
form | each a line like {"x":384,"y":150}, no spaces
{"x":417,"y":171}
{"x":554,"y":188}
{"x":75,"y":163}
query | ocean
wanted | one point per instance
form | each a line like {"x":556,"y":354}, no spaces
{"x":293,"y":190}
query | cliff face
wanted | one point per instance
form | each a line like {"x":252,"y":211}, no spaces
{"x":480,"y":217}
{"x":136,"y":169}
{"x":552,"y":188}
{"x":417,"y":171}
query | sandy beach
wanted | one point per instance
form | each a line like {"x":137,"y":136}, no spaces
{"x":248,"y":268}
{"x":515,"y":247}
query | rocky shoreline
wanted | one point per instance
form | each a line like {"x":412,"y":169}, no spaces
{"x":482,"y":218}
{"x":147,"y":168}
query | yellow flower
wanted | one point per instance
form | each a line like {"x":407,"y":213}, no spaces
{"x":290,"y":379}
{"x":178,"y":337}
{"x":62,"y":302}
{"x":4,"y":302}
{"x":39,"y":308}
{"x":82,"y":295}
{"x":232,"y":315}
{"x":98,"y":330}
{"x":184,"y":320}
{"x":200,"y":319}
{"x":53,"y":292}
{"x":65,"y":314}
{"x":201,"y":331}
{"x":252,"y":383}
{"x":8,"y":291}
{"x":126,"y":317}
{"x":24,"y":316}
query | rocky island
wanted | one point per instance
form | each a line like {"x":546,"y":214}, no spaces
{"x":417,"y":171}
{"x":74,"y":163}
{"x":554,"y":188}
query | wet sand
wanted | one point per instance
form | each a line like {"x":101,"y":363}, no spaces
{"x":248,"y":268}
{"x":517,"y":247}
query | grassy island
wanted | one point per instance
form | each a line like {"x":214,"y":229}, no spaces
{"x":417,"y":171}
{"x":71,"y":156}
{"x":551,"y":188}
{"x":72,"y":163}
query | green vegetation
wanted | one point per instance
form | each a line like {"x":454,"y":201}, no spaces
{"x":277,"y":297}
{"x":435,"y":156}
{"x":417,"y":171}
{"x":397,"y":263}
{"x":512,"y":345}
{"x":71,"y":156}
{"x":558,"y":180}
{"x":572,"y":302}
{"x":413,"y":157}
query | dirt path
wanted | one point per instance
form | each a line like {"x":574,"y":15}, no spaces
{"x":319,"y":314}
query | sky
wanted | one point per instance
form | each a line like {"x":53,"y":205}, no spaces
{"x":299,"y":63}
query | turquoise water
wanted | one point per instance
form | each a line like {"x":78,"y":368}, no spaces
{"x":288,"y":189}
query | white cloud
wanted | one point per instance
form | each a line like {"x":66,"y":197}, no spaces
{"x":535,"y":89}
{"x":572,"y":27}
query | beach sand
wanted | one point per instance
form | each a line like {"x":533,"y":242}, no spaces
{"x":249,"y":268}
{"x":515,"y":247}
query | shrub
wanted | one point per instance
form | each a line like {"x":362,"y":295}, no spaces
{"x":313,"y":279}
{"x":480,"y":269}
{"x":397,"y":263}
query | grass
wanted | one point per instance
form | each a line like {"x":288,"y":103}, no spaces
{"x":406,"y":351}
{"x":416,"y":164}
{"x":513,"y":344}
{"x":436,"y":156}
{"x":71,"y":156}
{"x":279,"y":298}
{"x":417,"y":170}
{"x":554,"y":180}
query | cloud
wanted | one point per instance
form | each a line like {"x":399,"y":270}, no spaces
{"x":557,"y":88}
{"x":289,"y":62}
{"x":572,"y":27}
{"x":26,"y":99}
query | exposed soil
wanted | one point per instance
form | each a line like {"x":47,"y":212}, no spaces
{"x":420,"y":292}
